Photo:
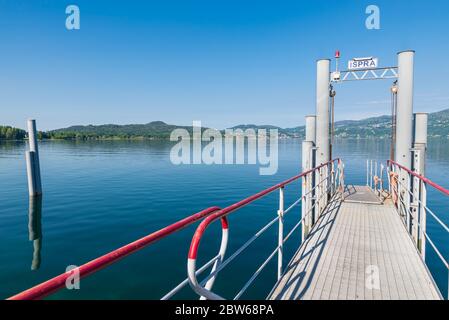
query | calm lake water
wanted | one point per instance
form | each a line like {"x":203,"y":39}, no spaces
{"x":99,"y":196}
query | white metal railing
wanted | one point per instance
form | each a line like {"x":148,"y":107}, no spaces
{"x":408,"y":192}
{"x":375,"y":176}
{"x":329,"y":175}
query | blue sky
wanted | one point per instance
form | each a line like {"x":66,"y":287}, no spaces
{"x":221,"y":62}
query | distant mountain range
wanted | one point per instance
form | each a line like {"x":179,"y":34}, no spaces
{"x":377,"y":127}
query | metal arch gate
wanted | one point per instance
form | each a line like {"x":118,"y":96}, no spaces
{"x":408,"y":133}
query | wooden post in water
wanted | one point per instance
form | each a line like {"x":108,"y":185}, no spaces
{"x":32,"y":160}
{"x":35,"y":230}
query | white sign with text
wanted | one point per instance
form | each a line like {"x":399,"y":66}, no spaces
{"x":363,"y":63}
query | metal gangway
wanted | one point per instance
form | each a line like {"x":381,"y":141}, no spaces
{"x":346,"y":229}
{"x":358,"y":242}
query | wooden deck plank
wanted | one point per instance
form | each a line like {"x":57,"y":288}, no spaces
{"x":323,"y":291}
{"x":353,"y":270}
{"x":389,"y":270}
{"x":360,"y":194}
{"x":345,"y":283}
{"x":385,"y":281}
{"x":349,"y":238}
{"x":327,"y":291}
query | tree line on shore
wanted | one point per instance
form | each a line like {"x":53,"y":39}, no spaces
{"x":377,"y":127}
{"x":10,"y":133}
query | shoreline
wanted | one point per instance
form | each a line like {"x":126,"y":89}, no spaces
{"x":168,"y":139}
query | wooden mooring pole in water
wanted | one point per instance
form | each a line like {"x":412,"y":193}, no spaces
{"x":32,"y":160}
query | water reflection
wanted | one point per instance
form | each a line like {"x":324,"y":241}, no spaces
{"x":35,"y":230}
{"x":137,"y":186}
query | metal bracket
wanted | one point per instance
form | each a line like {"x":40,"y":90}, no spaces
{"x":366,"y":74}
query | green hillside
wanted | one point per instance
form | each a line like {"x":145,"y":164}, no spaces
{"x":10,"y":133}
{"x":152,"y":130}
{"x":380,"y":127}
{"x":376,"y":127}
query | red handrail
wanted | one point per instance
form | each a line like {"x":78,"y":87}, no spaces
{"x":224,"y":212}
{"x":50,"y":286}
{"x":422,"y":178}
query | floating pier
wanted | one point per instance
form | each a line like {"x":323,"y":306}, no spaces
{"x":358,"y":250}
{"x":358,"y":242}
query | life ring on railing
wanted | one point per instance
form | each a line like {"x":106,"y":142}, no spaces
{"x":377,"y":181}
{"x":205,"y":292}
{"x":394,"y":187}
{"x":341,"y":176}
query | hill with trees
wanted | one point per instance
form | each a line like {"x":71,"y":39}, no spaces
{"x":376,"y":127}
{"x":10,"y":133}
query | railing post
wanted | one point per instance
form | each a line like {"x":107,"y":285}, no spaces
{"x":423,"y":218}
{"x":281,"y":231}
{"x":367,"y":172}
{"x":381,"y":179}
{"x":414,"y":205}
{"x":407,"y":198}
{"x":390,"y":170}
{"x":326,"y":187}
{"x":333,"y":180}
{"x":341,"y":178}
{"x":420,"y":145}
{"x":375,"y":175}
{"x":304,"y":208}
{"x":396,"y":184}
{"x":309,"y":201}
{"x":400,"y":197}
{"x":313,"y":195}
{"x":320,"y":193}
{"x":316,"y":195}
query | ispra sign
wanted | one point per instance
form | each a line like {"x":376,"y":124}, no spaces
{"x":363,"y":63}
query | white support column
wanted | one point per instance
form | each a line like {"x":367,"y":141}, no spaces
{"x":322,"y":127}
{"x":310,"y":135}
{"x":419,"y":188}
{"x":404,"y":121}
{"x":322,"y":111}
{"x":405,"y":108}
{"x":311,"y":129}
{"x":306,"y":203}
